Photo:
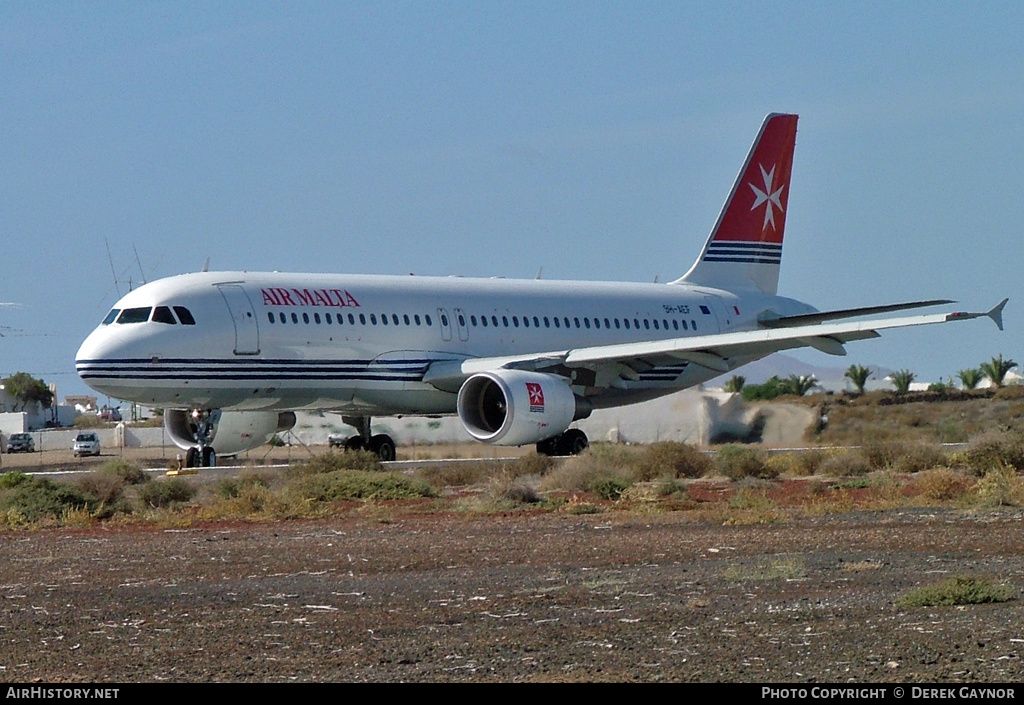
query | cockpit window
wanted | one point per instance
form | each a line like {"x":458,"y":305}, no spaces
{"x":134,"y":315}
{"x":162,"y":314}
{"x":185,"y":316}
{"x":111,"y":317}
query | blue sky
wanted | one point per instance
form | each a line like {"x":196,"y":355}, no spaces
{"x":597,"y":140}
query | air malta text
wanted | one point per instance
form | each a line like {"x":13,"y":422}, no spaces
{"x":335,"y":298}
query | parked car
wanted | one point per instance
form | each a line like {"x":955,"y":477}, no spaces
{"x":21,"y":443}
{"x":108,"y":414}
{"x":86,"y":443}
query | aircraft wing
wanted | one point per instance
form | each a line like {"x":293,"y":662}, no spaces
{"x":722,"y":352}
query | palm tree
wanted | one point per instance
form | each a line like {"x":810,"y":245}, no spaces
{"x":996,"y":369}
{"x":800,"y":384}
{"x":970,"y":378}
{"x":735,"y":384}
{"x":858,"y":374}
{"x":902,"y":380}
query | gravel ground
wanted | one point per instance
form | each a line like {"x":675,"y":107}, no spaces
{"x":384,"y":593}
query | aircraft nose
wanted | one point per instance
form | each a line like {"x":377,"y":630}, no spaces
{"x":94,"y":359}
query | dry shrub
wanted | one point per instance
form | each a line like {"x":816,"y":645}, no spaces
{"x":107,"y":488}
{"x":670,"y":459}
{"x":168,"y":493}
{"x":994,"y":449}
{"x":459,"y":474}
{"x":903,"y":456}
{"x":942,"y":484}
{"x":798,"y":464}
{"x":1010,"y":392}
{"x":332,"y":462}
{"x":1001,"y":486}
{"x":737,"y":462}
{"x":518,"y":492}
{"x":844,"y":463}
{"x":128,"y":472}
{"x":534,"y":464}
{"x":590,"y":472}
{"x":917,"y":457}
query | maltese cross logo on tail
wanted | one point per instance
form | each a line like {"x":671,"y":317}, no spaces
{"x":536,"y":396}
{"x":768,"y":196}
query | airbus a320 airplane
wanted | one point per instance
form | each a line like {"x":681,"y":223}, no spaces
{"x":232,"y":355}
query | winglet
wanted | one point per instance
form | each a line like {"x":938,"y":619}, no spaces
{"x":996,"y":314}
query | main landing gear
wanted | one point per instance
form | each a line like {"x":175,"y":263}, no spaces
{"x":572,"y":442}
{"x":381,"y":445}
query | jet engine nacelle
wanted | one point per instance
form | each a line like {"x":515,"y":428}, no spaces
{"x":230,"y":432}
{"x":514,"y":408}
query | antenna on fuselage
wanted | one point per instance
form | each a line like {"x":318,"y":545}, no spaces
{"x":139,"y":262}
{"x":539,"y":271}
{"x":206,"y":265}
{"x":113,"y":272}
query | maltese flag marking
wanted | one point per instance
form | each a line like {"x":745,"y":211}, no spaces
{"x":536,"y":396}
{"x":770,"y":196}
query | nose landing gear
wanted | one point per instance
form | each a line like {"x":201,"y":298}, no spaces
{"x":204,"y":425}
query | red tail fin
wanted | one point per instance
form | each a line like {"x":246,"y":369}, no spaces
{"x":745,"y":246}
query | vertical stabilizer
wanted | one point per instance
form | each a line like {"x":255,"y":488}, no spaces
{"x":745,"y":246}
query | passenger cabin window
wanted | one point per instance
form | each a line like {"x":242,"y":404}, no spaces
{"x":162,"y":314}
{"x":111,"y":317}
{"x":134,"y":315}
{"x":185,"y":316}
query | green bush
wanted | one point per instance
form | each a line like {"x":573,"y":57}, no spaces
{"x":958,"y":590}
{"x":232,"y":487}
{"x":360,"y":484}
{"x":166,"y":493}
{"x":12,"y":478}
{"x":38,"y":497}
{"x":610,"y":487}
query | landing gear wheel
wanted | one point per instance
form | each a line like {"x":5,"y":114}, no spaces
{"x":354,"y":443}
{"x":192,"y":458}
{"x":383,"y":447}
{"x":549,"y":446}
{"x":209,"y":457}
{"x":573,"y":442}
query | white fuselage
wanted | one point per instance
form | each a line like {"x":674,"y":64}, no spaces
{"x":361,"y":344}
